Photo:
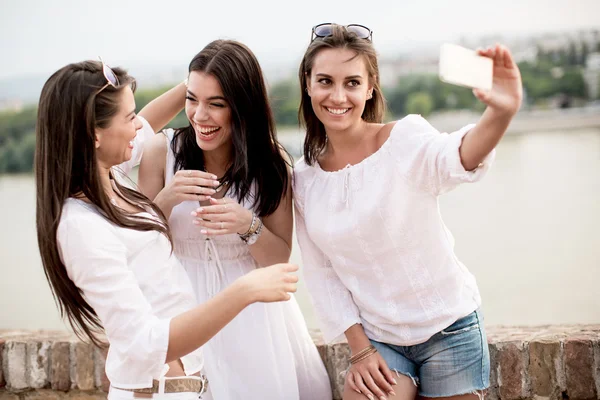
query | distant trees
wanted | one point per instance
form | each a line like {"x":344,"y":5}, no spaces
{"x":543,"y":80}
{"x":285,"y":100}
{"x":17,"y":140}
{"x":423,"y":94}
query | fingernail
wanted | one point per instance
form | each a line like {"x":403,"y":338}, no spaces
{"x":393,"y":380}
{"x":214,"y":177}
{"x":216,"y":183}
{"x":196,"y":222}
{"x":214,"y":191}
{"x":358,"y":391}
{"x":392,"y":393}
{"x":200,"y":210}
{"x":203,"y":231}
{"x":194,"y":214}
{"x":370,"y":396}
{"x":382,"y":398}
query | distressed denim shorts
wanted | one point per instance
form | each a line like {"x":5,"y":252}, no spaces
{"x":454,"y":361}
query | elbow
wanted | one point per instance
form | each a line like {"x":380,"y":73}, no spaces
{"x":471,"y":160}
{"x":470,"y":165}
{"x":146,"y":345}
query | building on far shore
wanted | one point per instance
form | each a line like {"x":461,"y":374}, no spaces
{"x":591,"y":75}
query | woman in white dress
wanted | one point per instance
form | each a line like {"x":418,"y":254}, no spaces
{"x":242,"y":222}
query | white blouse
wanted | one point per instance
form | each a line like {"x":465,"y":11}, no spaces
{"x":132,"y":281}
{"x":374,"y":247}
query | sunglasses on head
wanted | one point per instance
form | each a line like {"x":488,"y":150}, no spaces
{"x":111,"y":77}
{"x":326,"y":29}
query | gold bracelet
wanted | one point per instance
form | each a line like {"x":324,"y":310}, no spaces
{"x":249,"y":231}
{"x":363,"y":351}
{"x":364,"y":356}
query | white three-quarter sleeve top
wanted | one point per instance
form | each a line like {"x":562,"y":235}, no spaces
{"x":375,"y":250}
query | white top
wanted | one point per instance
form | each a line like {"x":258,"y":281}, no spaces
{"x":132,"y":281}
{"x":374,"y":247}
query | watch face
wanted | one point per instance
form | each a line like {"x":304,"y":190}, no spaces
{"x":252,"y":239}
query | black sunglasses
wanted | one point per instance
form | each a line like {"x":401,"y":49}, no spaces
{"x":326,"y":29}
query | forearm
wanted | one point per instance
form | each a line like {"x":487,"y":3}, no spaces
{"x":165,"y":107}
{"x":192,"y":329}
{"x":163,"y":201}
{"x":356,"y":337}
{"x":483,"y":138}
{"x":270,"y":249}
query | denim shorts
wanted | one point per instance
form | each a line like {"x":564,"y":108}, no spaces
{"x":454,"y":361}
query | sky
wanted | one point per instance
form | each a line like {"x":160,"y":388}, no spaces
{"x":40,"y":36}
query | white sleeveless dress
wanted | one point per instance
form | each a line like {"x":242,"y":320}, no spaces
{"x":266,"y":352}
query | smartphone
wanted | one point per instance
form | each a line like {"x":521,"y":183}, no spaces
{"x":464,"y":67}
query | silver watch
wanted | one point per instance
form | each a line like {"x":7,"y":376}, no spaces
{"x":251,"y":239}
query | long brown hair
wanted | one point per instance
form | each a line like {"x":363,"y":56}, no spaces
{"x":72,"y":105}
{"x":256,"y":153}
{"x":316,"y":137}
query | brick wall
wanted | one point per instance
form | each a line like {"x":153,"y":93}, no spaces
{"x":549,"y":362}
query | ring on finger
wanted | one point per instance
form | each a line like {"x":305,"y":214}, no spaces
{"x":188,"y":172}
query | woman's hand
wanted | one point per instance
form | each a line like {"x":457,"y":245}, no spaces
{"x":223,"y":216}
{"x":507,"y":89}
{"x":371,"y":377}
{"x":186,"y":185}
{"x":270,"y":284}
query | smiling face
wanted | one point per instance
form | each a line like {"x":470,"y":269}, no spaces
{"x":208,"y":111}
{"x":114,"y":144}
{"x":339,"y":88}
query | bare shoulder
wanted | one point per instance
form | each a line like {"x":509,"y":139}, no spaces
{"x":158,"y":143}
{"x":155,"y":149}
{"x":383,"y":132}
{"x":154,"y":160}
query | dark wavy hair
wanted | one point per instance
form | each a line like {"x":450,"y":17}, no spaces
{"x":316,"y":138}
{"x":72,"y":105}
{"x":256,"y":155}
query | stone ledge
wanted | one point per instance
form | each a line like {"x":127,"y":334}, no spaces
{"x":551,"y":362}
